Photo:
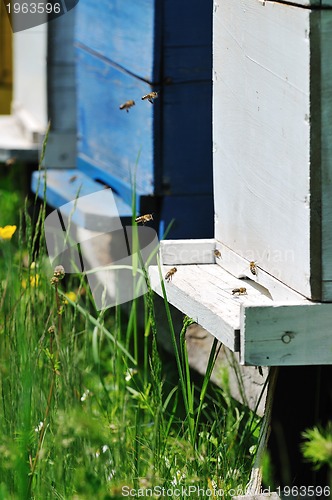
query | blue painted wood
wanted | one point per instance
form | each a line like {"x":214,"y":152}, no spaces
{"x":123,"y":32}
{"x":112,"y":138}
{"x":133,"y":43}
{"x":187,"y":40}
{"x":64,"y":186}
{"x":191,"y":214}
{"x":187,"y":138}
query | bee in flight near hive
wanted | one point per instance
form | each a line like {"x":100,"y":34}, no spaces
{"x":144,"y":218}
{"x":127,"y":105}
{"x":217,"y":254}
{"x":169,"y":274}
{"x":239,"y":291}
{"x":150,"y":97}
{"x":10,"y":162}
{"x":253,"y":267}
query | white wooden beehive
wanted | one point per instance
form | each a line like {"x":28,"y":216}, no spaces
{"x":272,"y":139}
{"x":272,"y":145}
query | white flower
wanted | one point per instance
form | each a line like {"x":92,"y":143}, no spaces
{"x":39,"y":427}
{"x":130,"y":373}
{"x":178,"y":478}
{"x":85,"y":395}
{"x":111,"y":475}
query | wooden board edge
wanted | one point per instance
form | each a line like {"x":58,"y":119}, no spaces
{"x":214,"y":324}
{"x":286,"y":335}
{"x":190,"y":251}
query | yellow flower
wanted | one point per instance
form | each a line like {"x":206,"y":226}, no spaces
{"x":7,"y":232}
{"x":71,"y":296}
{"x":34,"y":281}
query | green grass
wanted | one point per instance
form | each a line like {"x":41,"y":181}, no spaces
{"x":90,"y":405}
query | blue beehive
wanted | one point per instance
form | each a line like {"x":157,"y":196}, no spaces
{"x":124,"y":51}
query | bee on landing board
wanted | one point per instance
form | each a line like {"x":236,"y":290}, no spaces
{"x":150,"y":97}
{"x":127,"y":105}
{"x":239,"y":291}
{"x":144,"y":218}
{"x":253,"y":267}
{"x":169,"y":274}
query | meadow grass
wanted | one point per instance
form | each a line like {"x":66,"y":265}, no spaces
{"x":90,"y":405}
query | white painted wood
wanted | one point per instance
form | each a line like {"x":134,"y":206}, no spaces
{"x":14,"y":143}
{"x":272,"y":132}
{"x":280,"y":335}
{"x":21,"y":132}
{"x":29,"y":77}
{"x":261,"y":101}
{"x":240,"y":267}
{"x":184,"y":293}
{"x":199,"y":251}
{"x":276,"y":327}
{"x":204,"y":293}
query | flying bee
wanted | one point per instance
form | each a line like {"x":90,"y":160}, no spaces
{"x":217,"y":254}
{"x":127,"y":105}
{"x":150,"y":97}
{"x":169,"y":274}
{"x":73,"y":178}
{"x":253,"y":267}
{"x":10,"y":161}
{"x":144,"y":218}
{"x":239,"y":291}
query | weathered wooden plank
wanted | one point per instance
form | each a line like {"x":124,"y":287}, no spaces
{"x":204,"y":292}
{"x":261,"y":108}
{"x":280,"y":335}
{"x":188,"y":299}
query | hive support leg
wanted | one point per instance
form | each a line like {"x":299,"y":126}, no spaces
{"x":255,"y":482}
